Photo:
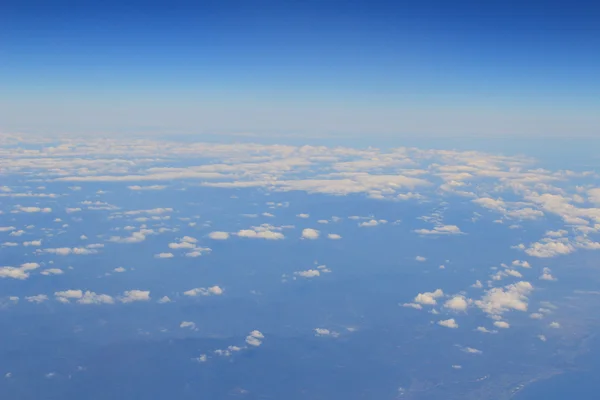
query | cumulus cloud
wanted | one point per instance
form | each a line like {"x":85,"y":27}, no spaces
{"x":310,"y":233}
{"x":52,"y":271}
{"x":188,"y":324}
{"x":440,"y":230}
{"x":130,"y":296}
{"x":372,"y":222}
{"x":311,"y":273}
{"x":496,"y":301}
{"x":420,"y":258}
{"x":33,"y":243}
{"x":95,"y":298}
{"x":303,"y":215}
{"x":266,"y":234}
{"x":164,"y":300}
{"x":151,"y":187}
{"x":522,"y":264}
{"x":182,"y":245}
{"x":254,"y":338}
{"x":483,"y":329}
{"x":501,"y":324}
{"x":472,"y":350}
{"x":448,"y":323}
{"x":65,"y":251}
{"x":325,"y":332}
{"x":554,"y":325}
{"x":413,"y":305}
{"x":457,"y":303}
{"x":334,"y":236}
{"x":547,"y":275}
{"x":40,"y":298}
{"x":164,"y":255}
{"x":211,"y":291}
{"x":218,"y":235}
{"x":428,"y":298}
{"x":548,"y":248}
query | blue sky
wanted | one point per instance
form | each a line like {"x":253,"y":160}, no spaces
{"x":306,"y":68}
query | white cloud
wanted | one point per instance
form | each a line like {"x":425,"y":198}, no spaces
{"x":254,"y":338}
{"x":420,"y":258}
{"x":40,"y":298}
{"x":152,"y":187}
{"x":372,"y":222}
{"x":483,"y":329}
{"x":218,"y":235}
{"x":309,"y":233}
{"x":536,"y":315}
{"x":457,"y":303}
{"x":94,"y":298}
{"x":33,"y":209}
{"x":189,"y":239}
{"x":334,"y":236}
{"x":164,"y":300}
{"x":472,"y":350}
{"x":549,"y":248}
{"x":542,"y":338}
{"x":65,"y":251}
{"x":522,"y":264}
{"x":164,"y":255}
{"x":7,"y":228}
{"x":448,"y":323}
{"x":52,"y":271}
{"x":311,"y":273}
{"x":511,"y":297}
{"x":502,"y":324}
{"x":554,"y":325}
{"x":303,"y":215}
{"x":182,"y":245}
{"x":130,"y":296}
{"x":428,"y":298}
{"x":187,"y":324}
{"x":413,"y":305}
{"x":325,"y":332}
{"x":267,"y":234}
{"x":213,"y":290}
{"x":14,"y":273}
{"x":34,"y":243}
{"x":119,"y":269}
{"x":440,"y":230}
{"x":547,"y":275}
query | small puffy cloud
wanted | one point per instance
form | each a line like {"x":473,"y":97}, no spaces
{"x":52,"y":271}
{"x":554,"y":325}
{"x":594,"y":196}
{"x":130,"y":296}
{"x":254,"y":338}
{"x":499,"y":300}
{"x":189,"y":239}
{"x":334,"y":236}
{"x":33,"y":209}
{"x":325,"y":332}
{"x":211,"y":291}
{"x":448,"y":323}
{"x":261,"y":234}
{"x":95,"y":298}
{"x":536,"y":315}
{"x":72,"y":210}
{"x":182,"y":245}
{"x":501,"y":324}
{"x":372,"y":222}
{"x":542,"y":338}
{"x":420,"y":258}
{"x":188,"y":324}
{"x":440,"y":230}
{"x":33,"y":243}
{"x":303,"y":215}
{"x":549,"y":249}
{"x":7,"y":228}
{"x":119,"y":269}
{"x":151,"y":187}
{"x":477,"y":284}
{"x":522,"y":264}
{"x":310,"y":273}
{"x":164,"y":300}
{"x":413,"y":305}
{"x":547,"y":275}
{"x":218,"y":235}
{"x":457,"y":303}
{"x":472,"y":350}
{"x":483,"y":329}
{"x":164,"y":255}
{"x":428,"y":298}
{"x":40,"y":298}
{"x":310,"y":233}
{"x":65,"y":251}
{"x":66,"y":295}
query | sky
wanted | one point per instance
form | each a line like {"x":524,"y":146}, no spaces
{"x":301,"y":69}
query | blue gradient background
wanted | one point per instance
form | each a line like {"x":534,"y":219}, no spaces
{"x":301,"y":68}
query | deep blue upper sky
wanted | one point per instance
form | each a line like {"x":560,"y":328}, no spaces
{"x":301,"y":66}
